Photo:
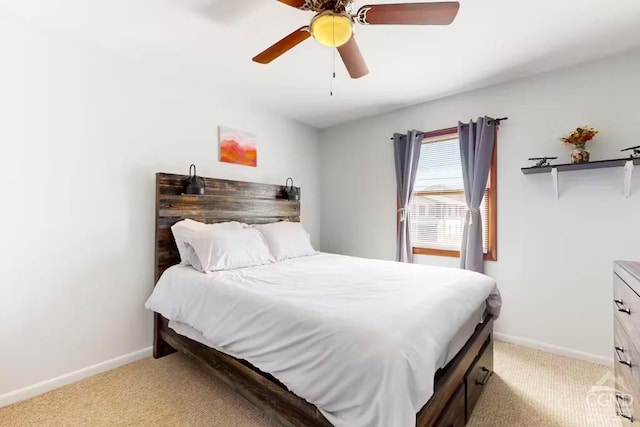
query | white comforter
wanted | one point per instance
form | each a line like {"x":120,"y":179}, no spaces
{"x":358,"y":338}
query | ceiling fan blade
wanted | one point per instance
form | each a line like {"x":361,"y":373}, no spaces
{"x":353,"y":60}
{"x":442,"y":13}
{"x":283,"y":46}
{"x":293,"y":3}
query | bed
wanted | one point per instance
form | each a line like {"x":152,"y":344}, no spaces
{"x":458,"y":352}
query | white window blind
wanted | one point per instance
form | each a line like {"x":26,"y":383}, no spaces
{"x":438,"y":208}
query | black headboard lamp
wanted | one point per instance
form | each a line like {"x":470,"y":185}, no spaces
{"x":194,"y":184}
{"x":291,"y":192}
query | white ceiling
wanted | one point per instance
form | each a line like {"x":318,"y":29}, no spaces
{"x":214,"y":40}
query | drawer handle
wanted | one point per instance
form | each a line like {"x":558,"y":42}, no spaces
{"x":620,"y":358}
{"x":623,"y":415}
{"x":487,"y":374}
{"x":619,"y":408}
{"x":622,"y":397}
{"x":620,"y":306}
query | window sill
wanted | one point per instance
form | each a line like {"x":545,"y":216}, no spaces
{"x":447,"y":253}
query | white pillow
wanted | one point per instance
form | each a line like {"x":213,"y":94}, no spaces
{"x":287,"y":240}
{"x":227,"y":249}
{"x":183,"y":229}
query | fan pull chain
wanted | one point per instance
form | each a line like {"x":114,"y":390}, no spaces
{"x":333,"y":71}
{"x":333,"y":57}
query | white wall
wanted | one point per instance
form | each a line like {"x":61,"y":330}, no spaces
{"x":82,"y":134}
{"x":554,"y":266}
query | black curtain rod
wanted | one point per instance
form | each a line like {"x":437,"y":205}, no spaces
{"x":501,"y":119}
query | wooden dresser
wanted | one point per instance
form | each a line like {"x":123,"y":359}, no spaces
{"x":626,"y":328}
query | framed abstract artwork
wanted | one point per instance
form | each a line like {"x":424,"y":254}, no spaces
{"x":238,"y":147}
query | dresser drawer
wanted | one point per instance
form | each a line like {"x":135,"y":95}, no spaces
{"x":627,"y":359}
{"x":626,"y":401}
{"x":626,"y":306}
{"x":453,"y":414}
{"x":629,"y":272}
{"x":626,"y":340}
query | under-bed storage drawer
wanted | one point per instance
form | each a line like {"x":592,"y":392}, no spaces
{"x":478,"y":376}
{"x":453,"y":414}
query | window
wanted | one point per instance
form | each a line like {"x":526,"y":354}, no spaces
{"x":438,"y":209}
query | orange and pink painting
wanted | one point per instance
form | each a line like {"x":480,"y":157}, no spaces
{"x":238,"y":147}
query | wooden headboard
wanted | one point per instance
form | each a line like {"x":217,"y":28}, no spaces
{"x":224,"y":200}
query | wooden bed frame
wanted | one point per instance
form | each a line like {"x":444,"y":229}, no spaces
{"x":457,"y":386}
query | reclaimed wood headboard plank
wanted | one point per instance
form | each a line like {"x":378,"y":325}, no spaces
{"x":215,"y":207}
{"x":173,"y":185}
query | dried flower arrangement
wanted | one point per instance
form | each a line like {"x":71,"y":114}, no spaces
{"x":580,"y":136}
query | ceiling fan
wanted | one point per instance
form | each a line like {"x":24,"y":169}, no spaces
{"x":333,"y":26}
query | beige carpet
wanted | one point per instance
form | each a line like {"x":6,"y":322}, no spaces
{"x":530,"y":388}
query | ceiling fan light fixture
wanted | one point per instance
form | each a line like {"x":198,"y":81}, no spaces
{"x":332,"y":29}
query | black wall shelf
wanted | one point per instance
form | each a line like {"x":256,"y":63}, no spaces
{"x":553,"y":170}
{"x":581,"y":166}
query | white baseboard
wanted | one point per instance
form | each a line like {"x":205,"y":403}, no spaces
{"x":550,"y":348}
{"x":71,"y":377}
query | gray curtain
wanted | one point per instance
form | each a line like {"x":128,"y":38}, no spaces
{"x":407,"y":153}
{"x":476,"y":150}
